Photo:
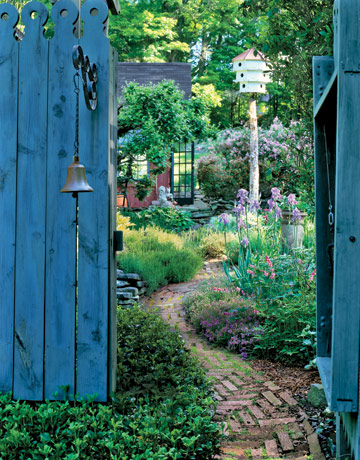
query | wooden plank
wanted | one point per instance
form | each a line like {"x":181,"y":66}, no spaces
{"x":323,"y":94}
{"x":8,"y":147}
{"x":346,"y":301}
{"x":324,"y":136}
{"x":112,"y":362}
{"x":60,"y":226}
{"x":94,"y":221}
{"x":336,"y":32}
{"x":30,"y":213}
{"x":325,"y":368}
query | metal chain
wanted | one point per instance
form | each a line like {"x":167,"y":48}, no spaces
{"x":77,"y":91}
{"x":331,"y":214}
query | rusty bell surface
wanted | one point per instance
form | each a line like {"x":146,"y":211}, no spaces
{"x":76,"y":178}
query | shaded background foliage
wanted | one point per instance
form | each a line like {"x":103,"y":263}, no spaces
{"x":210,"y":33}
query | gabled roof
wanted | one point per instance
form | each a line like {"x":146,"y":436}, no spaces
{"x":249,"y":55}
{"x":145,"y":73}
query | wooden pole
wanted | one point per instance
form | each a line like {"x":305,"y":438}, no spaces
{"x":254,"y":152}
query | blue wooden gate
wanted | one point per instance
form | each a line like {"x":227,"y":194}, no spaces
{"x":44,"y":342}
{"x":337,"y":161}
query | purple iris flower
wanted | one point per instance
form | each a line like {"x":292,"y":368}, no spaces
{"x":242,"y":195}
{"x":291,"y":200}
{"x":255,"y":206}
{"x":296,"y":215}
{"x":271,"y":204}
{"x":278,"y":212}
{"x":245,"y":242}
{"x":224,"y":219}
{"x":239,"y":209}
{"x":275,"y":194}
{"x":240,"y":224}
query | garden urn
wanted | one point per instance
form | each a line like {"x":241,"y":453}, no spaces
{"x":292,"y":231}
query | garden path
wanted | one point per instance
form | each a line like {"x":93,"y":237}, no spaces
{"x":260,"y":419}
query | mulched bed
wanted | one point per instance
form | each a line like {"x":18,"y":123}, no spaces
{"x":296,"y":379}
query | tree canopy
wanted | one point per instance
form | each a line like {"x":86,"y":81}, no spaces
{"x":209,"y":33}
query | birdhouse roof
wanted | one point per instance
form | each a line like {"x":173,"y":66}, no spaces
{"x":249,"y":55}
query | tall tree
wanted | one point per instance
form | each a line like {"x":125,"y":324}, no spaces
{"x":290,"y":33}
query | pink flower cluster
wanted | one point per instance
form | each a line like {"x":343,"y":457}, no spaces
{"x":217,"y":289}
{"x":313,"y":273}
{"x":270,"y":265}
{"x":269,"y":274}
{"x":227,"y":291}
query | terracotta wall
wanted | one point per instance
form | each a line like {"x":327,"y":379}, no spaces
{"x":133,"y":202}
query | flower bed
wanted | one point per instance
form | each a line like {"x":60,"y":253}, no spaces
{"x":267,"y":306}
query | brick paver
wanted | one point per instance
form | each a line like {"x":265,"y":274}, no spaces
{"x":271,"y":448}
{"x":260,"y":419}
{"x":285,"y":441}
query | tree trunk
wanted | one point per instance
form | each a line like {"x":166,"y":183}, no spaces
{"x":254,"y":152}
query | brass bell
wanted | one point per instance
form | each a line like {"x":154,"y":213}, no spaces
{"x":76,"y":178}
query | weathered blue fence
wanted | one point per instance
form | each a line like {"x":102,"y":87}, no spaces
{"x":337,"y":161}
{"x":44,"y":342}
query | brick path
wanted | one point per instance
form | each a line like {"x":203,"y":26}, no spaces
{"x":260,"y":419}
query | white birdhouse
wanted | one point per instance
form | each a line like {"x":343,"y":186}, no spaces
{"x":252,"y":72}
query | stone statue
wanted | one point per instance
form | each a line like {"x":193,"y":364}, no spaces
{"x":169,"y":195}
{"x":163,"y":197}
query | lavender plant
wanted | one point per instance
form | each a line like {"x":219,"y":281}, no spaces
{"x":225,"y":316}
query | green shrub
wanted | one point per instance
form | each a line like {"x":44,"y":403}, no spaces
{"x":152,"y":360}
{"x":213,"y":245}
{"x":159,"y":257}
{"x":163,"y":409}
{"x":170,"y":218}
{"x":151,"y":239}
{"x":207,"y":242}
{"x":289,"y":330}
